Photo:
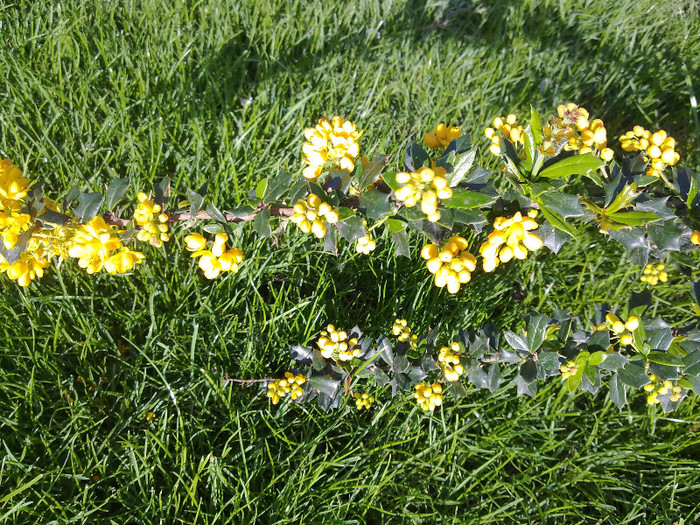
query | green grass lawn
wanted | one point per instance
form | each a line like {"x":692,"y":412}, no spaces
{"x":210,"y":90}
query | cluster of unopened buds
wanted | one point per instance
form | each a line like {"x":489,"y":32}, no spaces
{"x":426,"y":186}
{"x":622,"y":329}
{"x":654,"y":274}
{"x":511,"y":238}
{"x":363,"y":401}
{"x":589,"y":136}
{"x":657,"y":148}
{"x":153,"y":223}
{"x":661,"y":388}
{"x":442,"y":137}
{"x":331,"y":143}
{"x":508,"y":128}
{"x":452,"y":264}
{"x":334,"y":344}
{"x":366,"y":244}
{"x":428,"y":396}
{"x":312,"y":215}
{"x":289,"y":385}
{"x":567,"y":370}
{"x":217,"y":259}
{"x":448,"y":361}
{"x":403,"y":332}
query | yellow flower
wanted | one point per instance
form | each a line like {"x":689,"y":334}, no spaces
{"x":449,"y":363}
{"x":312,"y":215}
{"x":568,"y":370}
{"x":621,"y":329}
{"x":154,"y":224}
{"x":511,"y":239}
{"x":289,"y":385}
{"x":658,"y":149}
{"x":29,"y":266}
{"x":13,"y":186}
{"x":442,"y":137}
{"x":94,"y":245}
{"x":403,"y":332}
{"x":217,"y":259}
{"x":509,"y":130}
{"x":428,"y":396}
{"x":657,"y":387}
{"x":695,"y":237}
{"x":426,"y":186}
{"x":334,"y":344}
{"x":366,"y":244}
{"x":332,"y":144}
{"x":452,"y":264}
{"x":652,"y":275}
{"x":363,"y":401}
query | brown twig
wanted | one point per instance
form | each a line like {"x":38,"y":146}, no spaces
{"x":275,"y":211}
{"x":226,"y":380}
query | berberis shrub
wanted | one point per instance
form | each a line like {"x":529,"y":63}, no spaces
{"x":559,"y":175}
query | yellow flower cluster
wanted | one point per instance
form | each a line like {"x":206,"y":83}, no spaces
{"x":310,"y":215}
{"x":695,"y":237}
{"x":30,"y":265}
{"x":217,"y":259}
{"x":428,"y":396}
{"x":154,"y":224}
{"x":291,"y":385}
{"x":334,"y":344}
{"x":568,"y":369}
{"x":443,"y":136}
{"x":13,"y":189}
{"x":363,"y":401}
{"x":621,"y":329}
{"x":661,"y":388}
{"x":426,"y":186}
{"x":657,"y":148}
{"x":403,"y":332}
{"x":452,"y":265}
{"x":366,"y":244}
{"x":509,"y":129}
{"x":448,"y":361}
{"x":589,"y":136}
{"x":653,"y":274}
{"x":333,"y":143}
{"x":96,"y":246}
{"x":555,"y":135}
{"x":511,"y":238}
{"x":13,"y":186}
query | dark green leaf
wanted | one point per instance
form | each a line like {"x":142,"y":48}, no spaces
{"x":376,"y":204}
{"x":351,"y":228}
{"x":11,"y":256}
{"x":462,"y":165}
{"x":659,"y":338}
{"x":525,"y":388}
{"x":415,"y":157}
{"x":371,"y":172}
{"x":564,"y":204}
{"x":466,"y":199}
{"x":666,"y":236}
{"x":390,"y":179}
{"x":261,"y":223}
{"x":663,"y":358}
{"x":596,"y":358}
{"x":276,"y":187}
{"x":301,"y":354}
{"x":493,"y":377}
{"x":330,"y":240}
{"x":88,"y":206}
{"x":549,"y":364}
{"x":623,"y":199}
{"x":52,"y":217}
{"x":634,"y":375}
{"x":576,"y":165}
{"x":216,"y":214}
{"x":517,"y":342}
{"x":324,"y":384}
{"x":536,"y":331}
{"x":632,"y":218}
{"x":618,"y":394}
{"x":196,"y":200}
{"x":162,"y":192}
{"x":401,"y":243}
{"x":614,"y":361}
{"x":557,"y":221}
{"x":528,"y":370}
{"x":115,"y":191}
